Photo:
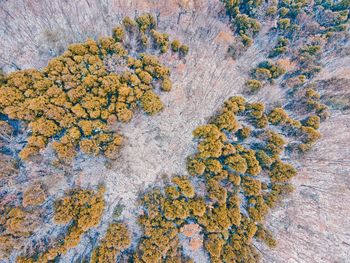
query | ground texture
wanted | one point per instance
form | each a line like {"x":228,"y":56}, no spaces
{"x":311,"y":225}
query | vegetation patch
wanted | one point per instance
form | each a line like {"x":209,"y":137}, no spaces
{"x":73,"y":103}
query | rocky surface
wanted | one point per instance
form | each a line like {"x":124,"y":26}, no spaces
{"x":311,"y":225}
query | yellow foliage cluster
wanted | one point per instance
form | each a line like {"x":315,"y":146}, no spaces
{"x":74,"y":97}
{"x":84,"y":207}
{"x":116,"y":240}
{"x":164,"y":214}
{"x":229,"y":168}
{"x":79,"y":209}
{"x":227,"y":171}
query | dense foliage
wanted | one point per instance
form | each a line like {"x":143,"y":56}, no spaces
{"x":231,"y":188}
{"x":80,"y":210}
{"x":75,"y":101}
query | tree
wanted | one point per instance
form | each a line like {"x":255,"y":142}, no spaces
{"x":236,"y":104}
{"x":185,"y":186}
{"x":146,"y":21}
{"x":117,"y":239}
{"x":243,"y":133}
{"x":281,"y":172}
{"x":237,"y":163}
{"x":214,"y":244}
{"x":175,"y":45}
{"x":312,"y":121}
{"x":251,"y":186}
{"x":278,"y":116}
{"x":226,"y":121}
{"x":254,"y":85}
{"x":78,"y":89}
{"x":183,"y":50}
{"x":151,"y":103}
{"x":283,"y":23}
{"x":264,"y":160}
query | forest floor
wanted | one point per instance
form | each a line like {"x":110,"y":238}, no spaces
{"x":311,"y":225}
